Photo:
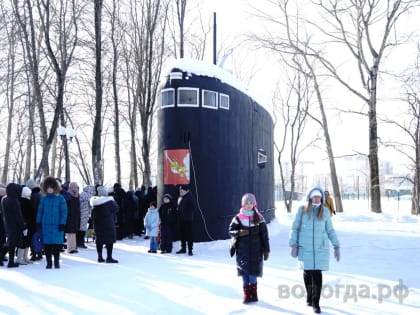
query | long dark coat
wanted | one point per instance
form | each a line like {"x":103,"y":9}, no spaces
{"x":14,"y":223}
{"x":73,"y":215}
{"x":2,"y":231}
{"x":29,"y":215}
{"x":186,"y":207}
{"x":250,"y":248}
{"x":103,"y":217}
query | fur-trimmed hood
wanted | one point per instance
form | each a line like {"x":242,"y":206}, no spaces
{"x":97,"y":201}
{"x":50,"y":181}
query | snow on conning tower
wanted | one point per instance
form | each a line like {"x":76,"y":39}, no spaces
{"x":214,"y":137}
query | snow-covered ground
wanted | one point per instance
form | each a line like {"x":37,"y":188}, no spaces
{"x":378,"y":274}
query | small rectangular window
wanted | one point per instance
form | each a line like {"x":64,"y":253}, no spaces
{"x":209,"y":99}
{"x":187,"y":97}
{"x":224,"y":101}
{"x":167,"y":98}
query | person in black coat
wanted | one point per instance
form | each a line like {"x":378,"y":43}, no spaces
{"x":73,"y":217}
{"x":132,"y":213}
{"x":186,"y":209}
{"x":2,"y":231}
{"x":29,"y":215}
{"x":252,"y":245}
{"x":13,"y":222}
{"x":35,"y":200}
{"x":119,"y":197}
{"x":104,"y":214}
{"x":168,"y":219}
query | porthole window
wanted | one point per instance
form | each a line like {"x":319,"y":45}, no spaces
{"x":224,"y":101}
{"x":187,"y":97}
{"x":209,"y":99}
{"x":167,"y":98}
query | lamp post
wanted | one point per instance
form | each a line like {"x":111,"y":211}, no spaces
{"x":65,"y":135}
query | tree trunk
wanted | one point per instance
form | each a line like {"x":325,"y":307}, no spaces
{"x":10,"y":89}
{"x":115,"y":93}
{"x":375,"y":187}
{"x":97,"y":127}
{"x":333,"y":171}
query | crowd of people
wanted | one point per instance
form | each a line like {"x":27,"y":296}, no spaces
{"x":53,"y":217}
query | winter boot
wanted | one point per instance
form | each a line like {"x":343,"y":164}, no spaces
{"x":182,"y":251}
{"x":12,"y":263}
{"x":253,"y":292}
{"x":109,"y":258}
{"x":307,"y":278}
{"x":3,"y":252}
{"x":26,"y":256}
{"x":48,"y":256}
{"x":20,"y":260}
{"x":99,"y":251}
{"x":56,"y":253}
{"x":247,"y":294}
{"x":316,"y":291}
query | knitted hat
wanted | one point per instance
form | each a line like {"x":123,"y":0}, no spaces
{"x":102,"y":191}
{"x":315,"y":193}
{"x":167,"y":196}
{"x":248,"y":197}
{"x":26,"y":192}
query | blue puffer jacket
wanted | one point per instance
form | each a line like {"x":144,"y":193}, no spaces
{"x":52,"y":212}
{"x":314,"y":237}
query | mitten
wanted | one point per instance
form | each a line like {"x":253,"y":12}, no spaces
{"x":266,"y":255}
{"x":337,"y":253}
{"x":243,"y":232}
{"x":61,"y":227}
{"x":294,"y":251}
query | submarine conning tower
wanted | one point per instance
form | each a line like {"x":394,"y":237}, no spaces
{"x":214,"y":137}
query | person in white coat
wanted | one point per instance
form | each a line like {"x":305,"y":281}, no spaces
{"x":151,"y":223}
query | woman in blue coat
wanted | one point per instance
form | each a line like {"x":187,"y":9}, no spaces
{"x":51,"y":220}
{"x":312,"y":230}
{"x":252,"y":245}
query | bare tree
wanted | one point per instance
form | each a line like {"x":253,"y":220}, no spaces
{"x":60,"y":57}
{"x":97,"y":127}
{"x":146,"y":48}
{"x":410,"y":127}
{"x":293,"y":110}
{"x":356,"y":27}
{"x":10,"y":88}
{"x":295,"y":43}
{"x":181,"y":6}
{"x":28,"y":33}
{"x":298,"y":47}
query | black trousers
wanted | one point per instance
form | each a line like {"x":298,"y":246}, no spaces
{"x":186,"y":235}
{"x":313,"y":285}
{"x":52,"y":250}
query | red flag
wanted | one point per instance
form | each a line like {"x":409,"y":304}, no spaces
{"x":176,"y":167}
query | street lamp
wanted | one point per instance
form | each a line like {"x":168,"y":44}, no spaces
{"x":66,"y":134}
